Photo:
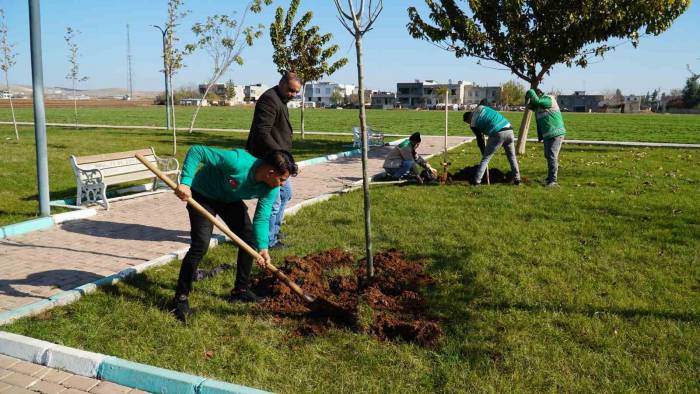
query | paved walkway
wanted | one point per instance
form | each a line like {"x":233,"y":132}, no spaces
{"x":40,"y":264}
{"x":18,"y":377}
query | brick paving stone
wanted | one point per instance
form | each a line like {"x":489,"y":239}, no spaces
{"x":28,"y":368}
{"x":137,"y":391}
{"x":56,"y":376}
{"x":74,"y":391}
{"x":17,"y":390}
{"x":19,"y":379}
{"x":4,"y":386}
{"x":80,"y":383}
{"x":45,"y":387}
{"x":7,"y":362}
{"x":4,"y":372}
{"x":109,"y":388}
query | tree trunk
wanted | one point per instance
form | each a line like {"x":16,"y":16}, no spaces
{"x":365,"y":147}
{"x":302,"y":112}
{"x":12,"y":108}
{"x":199,"y":106}
{"x":172,"y":103}
{"x":524,"y":126}
{"x":75,"y":104}
{"x":447,"y":98}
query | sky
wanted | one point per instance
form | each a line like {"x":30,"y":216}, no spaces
{"x":390,"y":54}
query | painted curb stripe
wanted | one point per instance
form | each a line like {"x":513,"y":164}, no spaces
{"x":28,"y":226}
{"x":147,"y":377}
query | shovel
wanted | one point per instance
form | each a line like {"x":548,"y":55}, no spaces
{"x":317,"y":304}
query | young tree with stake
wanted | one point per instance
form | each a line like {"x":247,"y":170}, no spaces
{"x":173,"y":60}
{"x":74,"y":72}
{"x":6,"y":63}
{"x":358,"y":20}
{"x":224,"y":38}
{"x":302,"y":50}
{"x":529,"y":37}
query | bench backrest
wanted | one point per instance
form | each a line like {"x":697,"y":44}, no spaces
{"x":117,"y":167}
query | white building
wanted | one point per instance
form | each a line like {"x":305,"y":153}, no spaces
{"x":253,"y":92}
{"x":5,"y":95}
{"x":194,"y":101}
{"x":321,"y":93}
{"x":424,"y":94}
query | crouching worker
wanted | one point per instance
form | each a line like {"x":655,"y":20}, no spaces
{"x":402,"y":160}
{"x":226,"y":178}
{"x":486,"y":121}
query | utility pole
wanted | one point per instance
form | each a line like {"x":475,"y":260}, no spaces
{"x":129,"y":74}
{"x":42,"y":162}
{"x":166,"y":72}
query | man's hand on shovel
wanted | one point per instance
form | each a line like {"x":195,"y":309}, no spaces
{"x":183,"y":192}
{"x":264,"y":259}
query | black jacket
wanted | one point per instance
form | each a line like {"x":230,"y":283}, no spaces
{"x":271,"y":128}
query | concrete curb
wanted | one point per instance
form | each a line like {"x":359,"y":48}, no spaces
{"x":113,"y":369}
{"x":28,"y":226}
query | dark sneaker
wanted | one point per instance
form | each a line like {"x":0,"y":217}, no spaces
{"x":245,"y":296}
{"x":278,"y":246}
{"x":516,"y":182}
{"x":552,"y":184}
{"x":180,"y":307}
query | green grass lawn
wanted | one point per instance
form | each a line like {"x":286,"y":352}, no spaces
{"x":591,"y":287}
{"x":18,"y":191}
{"x":613,"y":127}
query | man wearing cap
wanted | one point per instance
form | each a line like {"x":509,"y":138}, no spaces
{"x":403,"y":159}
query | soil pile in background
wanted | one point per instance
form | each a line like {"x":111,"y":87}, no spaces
{"x":495,"y":175}
{"x":390,"y":307}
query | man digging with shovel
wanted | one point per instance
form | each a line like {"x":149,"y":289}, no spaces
{"x":226,"y":178}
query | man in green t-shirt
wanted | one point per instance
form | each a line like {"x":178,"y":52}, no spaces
{"x":550,"y":129}
{"x":225,"y":179}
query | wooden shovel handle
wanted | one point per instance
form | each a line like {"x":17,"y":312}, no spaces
{"x":221,"y":226}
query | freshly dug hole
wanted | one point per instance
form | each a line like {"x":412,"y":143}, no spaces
{"x":390,"y":307}
{"x":495,"y":175}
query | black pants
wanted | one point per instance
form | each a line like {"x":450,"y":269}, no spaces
{"x":235,"y":215}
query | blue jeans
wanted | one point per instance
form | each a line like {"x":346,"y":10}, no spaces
{"x":405,"y":168}
{"x":277,"y":214}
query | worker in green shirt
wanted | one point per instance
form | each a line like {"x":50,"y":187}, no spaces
{"x":225,"y":179}
{"x":550,"y":129}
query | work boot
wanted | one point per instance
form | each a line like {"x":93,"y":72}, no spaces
{"x":516,"y":182}
{"x":551,"y":184}
{"x":180,"y":307}
{"x":245,"y":296}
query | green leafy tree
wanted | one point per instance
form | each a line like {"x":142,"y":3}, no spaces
{"x":173,"y":59}
{"x":302,"y":49}
{"x":529,"y":37}
{"x":7,"y":61}
{"x":337,"y":98}
{"x":358,"y":20}
{"x":691,"y":91}
{"x":224,"y":38}
{"x":512,"y":93}
{"x":229,"y":90}
{"x":74,"y":71}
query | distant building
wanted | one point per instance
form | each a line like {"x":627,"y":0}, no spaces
{"x":251,"y":93}
{"x":424,"y":94}
{"x":5,"y":95}
{"x":383,"y":100}
{"x":219,"y":89}
{"x":194,"y":101}
{"x":325,"y":94}
{"x":581,"y":102}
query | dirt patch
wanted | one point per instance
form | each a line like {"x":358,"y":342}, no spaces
{"x":389,"y":307}
{"x":495,"y":175}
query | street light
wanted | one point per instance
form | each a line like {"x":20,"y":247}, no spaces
{"x":166,"y":73}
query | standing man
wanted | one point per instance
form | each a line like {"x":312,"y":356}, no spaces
{"x":550,"y":129}
{"x":486,"y":121}
{"x":226,"y":178}
{"x":271,"y":130}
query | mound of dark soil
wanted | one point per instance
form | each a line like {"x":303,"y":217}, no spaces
{"x":389,"y":307}
{"x":495,"y":175}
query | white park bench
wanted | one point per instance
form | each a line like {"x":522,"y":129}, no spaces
{"x":94,"y":173}
{"x":374,"y":137}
